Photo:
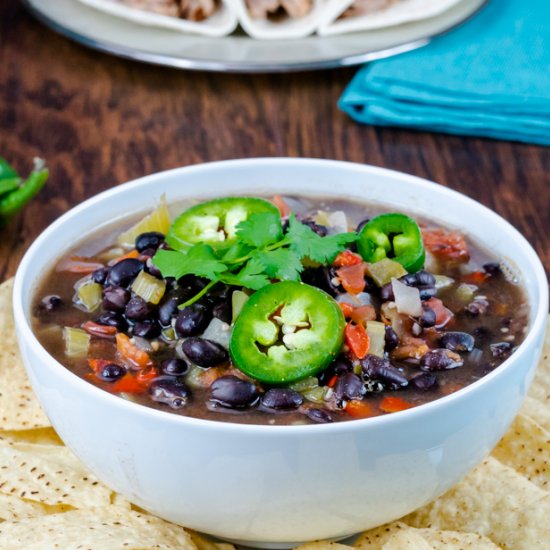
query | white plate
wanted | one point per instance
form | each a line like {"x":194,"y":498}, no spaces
{"x":239,"y":52}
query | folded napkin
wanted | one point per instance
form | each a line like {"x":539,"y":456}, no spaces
{"x":490,"y":77}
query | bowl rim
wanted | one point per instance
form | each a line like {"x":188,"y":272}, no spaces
{"x":27,"y":335}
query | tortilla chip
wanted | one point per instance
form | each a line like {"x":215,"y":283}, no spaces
{"x":106,"y":528}
{"x":203,"y":543}
{"x":323,"y":545}
{"x":526,"y":448}
{"x":43,"y":436}
{"x":49,"y":474}
{"x":19,"y":408}
{"x":398,"y":535}
{"x":393,"y":536}
{"x":538,"y":412}
{"x":14,"y":508}
{"x":540,"y":388}
{"x":494,"y":501}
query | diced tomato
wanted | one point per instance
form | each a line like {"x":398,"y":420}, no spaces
{"x":394,"y":404}
{"x":130,"y":255}
{"x":332,"y":381}
{"x":281,"y":204}
{"x":357,"y":340}
{"x":359,"y":409}
{"x":347,"y":258}
{"x":475,"y":278}
{"x":127,"y":384}
{"x":97,"y":364}
{"x":443,"y":315}
{"x":146,"y":376}
{"x":448,"y":245}
{"x":347,"y":309}
{"x":352,"y":278}
{"x":78,"y":265}
{"x":102,"y":331}
{"x":131,"y":353}
{"x":360,"y":315}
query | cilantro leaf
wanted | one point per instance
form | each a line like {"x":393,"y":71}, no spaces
{"x":307,"y":244}
{"x":250,"y":276}
{"x":199,"y":260}
{"x":260,"y":229}
{"x":283,"y":264}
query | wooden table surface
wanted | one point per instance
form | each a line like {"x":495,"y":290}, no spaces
{"x":100,"y":121}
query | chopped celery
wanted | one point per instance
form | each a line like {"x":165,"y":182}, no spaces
{"x":316,"y":395}
{"x":158,"y":220}
{"x":89,"y":295}
{"x":384,"y":271}
{"x":77,"y":342}
{"x":238,"y":299}
{"x":193,"y":377}
{"x":442,"y":281}
{"x":149,"y":288}
{"x":377,"y":333}
{"x":321,"y":218}
{"x":305,"y":384}
{"x":168,"y":334}
{"x":465,"y":292}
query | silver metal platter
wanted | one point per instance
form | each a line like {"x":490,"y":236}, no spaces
{"x":238,"y":52}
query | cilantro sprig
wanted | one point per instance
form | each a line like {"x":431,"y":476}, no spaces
{"x":263,"y":252}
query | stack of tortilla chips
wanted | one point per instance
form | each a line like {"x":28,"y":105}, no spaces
{"x":49,"y":500}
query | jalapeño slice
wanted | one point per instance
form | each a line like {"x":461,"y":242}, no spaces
{"x":285,"y":332}
{"x":214,"y":222}
{"x":393,"y":236}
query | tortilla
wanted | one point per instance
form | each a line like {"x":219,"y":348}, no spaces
{"x":494,"y":501}
{"x":19,"y":408}
{"x":526,"y":448}
{"x":14,"y":508}
{"x":107,"y":528}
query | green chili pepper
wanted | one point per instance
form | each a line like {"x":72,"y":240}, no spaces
{"x":214,"y":222}
{"x":6,"y":171}
{"x":9,"y":184}
{"x":393,"y":236}
{"x":15,"y":200}
{"x":286,"y":332}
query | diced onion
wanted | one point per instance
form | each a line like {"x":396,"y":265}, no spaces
{"x":357,"y":300}
{"x":337,"y":223}
{"x":442,"y":281}
{"x":377,"y":337}
{"x":218,"y":332}
{"x":407,"y":298}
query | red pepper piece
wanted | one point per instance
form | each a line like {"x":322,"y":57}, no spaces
{"x":394,"y":404}
{"x":359,"y":409}
{"x":347,"y":258}
{"x":357,"y":340}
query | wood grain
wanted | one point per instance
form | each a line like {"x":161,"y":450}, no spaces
{"x":99,"y":121}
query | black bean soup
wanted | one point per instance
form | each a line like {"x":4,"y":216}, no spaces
{"x":288,"y":311}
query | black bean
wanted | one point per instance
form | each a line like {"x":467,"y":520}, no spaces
{"x":319,"y":416}
{"x":321,"y":230}
{"x":150,"y":240}
{"x":174,"y":367}
{"x":232,"y":392}
{"x":124,"y":272}
{"x":501,"y":349}
{"x":137,"y":309}
{"x":378,"y":368}
{"x":111,"y":372}
{"x":426,"y":292}
{"x":458,"y":341}
{"x":424,"y":278}
{"x":340,"y":365}
{"x":223,"y":311}
{"x":362,"y":224}
{"x":167,"y":309}
{"x":115,"y":298}
{"x":100,"y":275}
{"x":193,"y":320}
{"x":152,"y":269}
{"x":440,"y":359}
{"x":424,"y":381}
{"x":322,"y":277}
{"x":391,"y":340}
{"x":409,"y":279}
{"x":386,"y":293}
{"x":281,"y":399}
{"x":477,"y":307}
{"x":427,"y":319}
{"x":112,"y":319}
{"x":51,"y":302}
{"x":146,"y":329}
{"x":492,"y":268}
{"x":203,"y":352}
{"x":349,"y":386}
{"x":173,"y":393}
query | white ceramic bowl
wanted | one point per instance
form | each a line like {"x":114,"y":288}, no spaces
{"x":273,"y":485}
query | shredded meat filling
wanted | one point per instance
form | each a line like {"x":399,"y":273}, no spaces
{"x":193,"y":10}
{"x":263,"y":9}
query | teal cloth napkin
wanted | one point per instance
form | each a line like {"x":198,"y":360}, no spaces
{"x":490,"y":77}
